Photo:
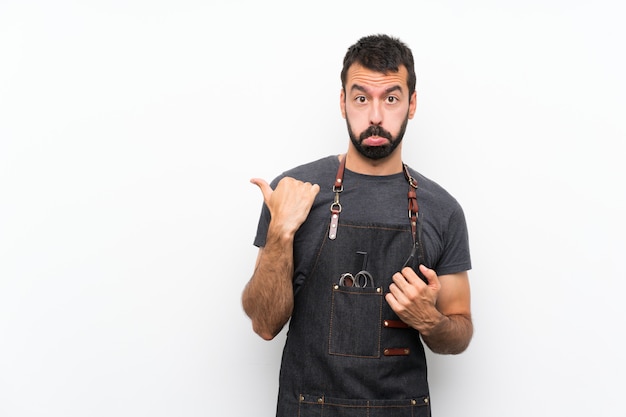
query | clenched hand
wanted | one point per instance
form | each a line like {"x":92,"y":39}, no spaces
{"x":290,"y":203}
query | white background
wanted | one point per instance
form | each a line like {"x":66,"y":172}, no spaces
{"x":129,"y":131}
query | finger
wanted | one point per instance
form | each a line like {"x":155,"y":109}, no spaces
{"x":393,"y":302}
{"x":264,"y":187}
{"x":395,"y":297}
{"x":400,"y":288}
{"x":311,"y":190}
{"x":411,"y":276}
{"x":399,"y":280}
{"x":429,"y":274}
{"x":396,"y":292}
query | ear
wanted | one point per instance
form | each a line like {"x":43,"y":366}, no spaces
{"x":413,"y":104}
{"x":342,"y":103}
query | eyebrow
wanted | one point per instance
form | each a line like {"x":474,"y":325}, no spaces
{"x":364,"y":90}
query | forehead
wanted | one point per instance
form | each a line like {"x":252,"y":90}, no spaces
{"x":359,"y":75}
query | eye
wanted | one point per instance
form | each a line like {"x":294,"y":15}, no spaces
{"x":360,"y":99}
{"x":392,"y":99}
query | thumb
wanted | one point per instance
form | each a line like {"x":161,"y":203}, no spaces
{"x":430,"y":274}
{"x":264,"y":187}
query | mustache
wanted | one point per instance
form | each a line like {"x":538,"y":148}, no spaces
{"x":375,"y":130}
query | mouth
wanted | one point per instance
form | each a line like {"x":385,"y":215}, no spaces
{"x":375,"y":136}
{"x":375,"y":141}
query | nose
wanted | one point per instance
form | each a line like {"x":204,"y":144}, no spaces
{"x":376,"y":114}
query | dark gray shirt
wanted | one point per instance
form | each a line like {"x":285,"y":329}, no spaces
{"x":376,"y":200}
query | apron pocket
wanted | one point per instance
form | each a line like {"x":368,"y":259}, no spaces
{"x":318,"y":405}
{"x":355,"y":322}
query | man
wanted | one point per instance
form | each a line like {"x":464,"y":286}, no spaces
{"x":358,"y":281}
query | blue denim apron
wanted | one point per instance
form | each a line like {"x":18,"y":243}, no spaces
{"x":347,"y":353}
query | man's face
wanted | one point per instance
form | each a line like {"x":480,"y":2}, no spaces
{"x":377,"y":108}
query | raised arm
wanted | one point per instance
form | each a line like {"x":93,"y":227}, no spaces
{"x":268,"y":297}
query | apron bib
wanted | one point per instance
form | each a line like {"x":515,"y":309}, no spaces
{"x":347,"y":353}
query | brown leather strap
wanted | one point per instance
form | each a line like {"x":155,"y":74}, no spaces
{"x":396,"y":351}
{"x":335,"y":207}
{"x":412,"y":195}
{"x":395,"y":324}
{"x":340,"y":171}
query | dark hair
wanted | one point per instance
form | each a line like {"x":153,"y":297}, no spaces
{"x":381,"y":53}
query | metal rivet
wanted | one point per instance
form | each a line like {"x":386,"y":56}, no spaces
{"x":320,"y":400}
{"x":413,"y":402}
{"x":426,"y":400}
{"x":302,"y":398}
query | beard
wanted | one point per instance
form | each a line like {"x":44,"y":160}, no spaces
{"x":377,"y":152}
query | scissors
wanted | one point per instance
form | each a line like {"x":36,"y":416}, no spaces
{"x":361,"y":280}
